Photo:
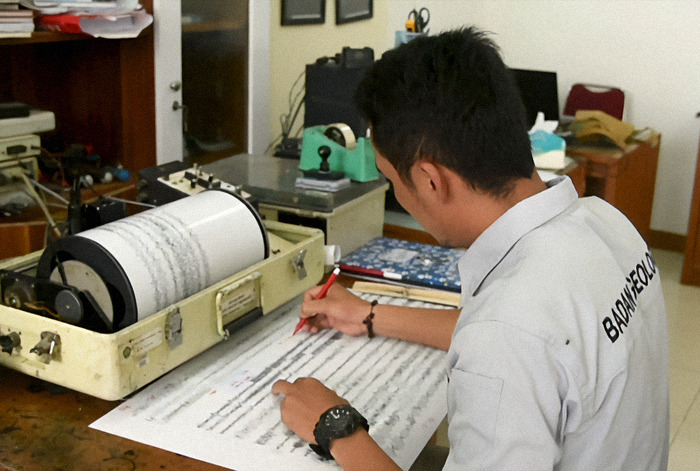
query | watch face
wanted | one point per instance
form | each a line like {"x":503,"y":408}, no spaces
{"x":337,"y":422}
{"x":342,"y":421}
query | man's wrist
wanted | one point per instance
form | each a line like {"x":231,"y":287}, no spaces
{"x":359,"y":452}
{"x":369,"y":320}
{"x":347,"y":445}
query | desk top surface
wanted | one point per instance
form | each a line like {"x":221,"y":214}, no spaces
{"x":43,"y":426}
{"x":610,"y":154}
{"x":272,"y":180}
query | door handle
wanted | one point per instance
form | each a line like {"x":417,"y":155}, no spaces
{"x":185,"y":113}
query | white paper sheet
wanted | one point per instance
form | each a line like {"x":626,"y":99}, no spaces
{"x":218,"y":407}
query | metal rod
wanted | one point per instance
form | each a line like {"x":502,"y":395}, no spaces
{"x":41,"y":204}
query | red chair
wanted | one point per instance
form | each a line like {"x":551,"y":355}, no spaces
{"x":610,"y":100}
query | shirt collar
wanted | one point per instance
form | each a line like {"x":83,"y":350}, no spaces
{"x":496,"y":241}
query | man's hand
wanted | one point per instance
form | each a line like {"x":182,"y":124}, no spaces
{"x":303,"y":403}
{"x":340,"y":310}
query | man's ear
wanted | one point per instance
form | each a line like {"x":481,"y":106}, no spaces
{"x":432,"y":179}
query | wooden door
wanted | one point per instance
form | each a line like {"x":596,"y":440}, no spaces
{"x":691,"y":262}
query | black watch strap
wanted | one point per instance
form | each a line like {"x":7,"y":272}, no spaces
{"x":336,"y":422}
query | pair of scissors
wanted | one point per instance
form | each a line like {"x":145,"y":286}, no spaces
{"x":418,"y":20}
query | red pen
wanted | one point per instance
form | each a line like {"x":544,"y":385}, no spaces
{"x":371,"y":271}
{"x":321,"y":294}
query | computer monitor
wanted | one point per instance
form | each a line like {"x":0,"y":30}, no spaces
{"x":538,"y":91}
{"x":330,"y":89}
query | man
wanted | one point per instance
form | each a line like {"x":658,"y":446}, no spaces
{"x":558,"y":358}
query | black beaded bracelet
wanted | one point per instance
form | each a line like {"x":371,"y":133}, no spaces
{"x":368,"y":319}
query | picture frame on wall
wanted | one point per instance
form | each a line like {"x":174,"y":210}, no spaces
{"x":347,"y":11}
{"x":303,"y":12}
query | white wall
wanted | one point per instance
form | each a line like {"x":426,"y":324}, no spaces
{"x":258,"y":76}
{"x":292,"y":47}
{"x":649,"y":48}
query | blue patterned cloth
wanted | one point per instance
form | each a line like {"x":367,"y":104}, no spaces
{"x":418,"y":264}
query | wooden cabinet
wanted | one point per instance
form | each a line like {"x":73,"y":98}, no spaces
{"x":128,"y":98}
{"x":691,"y":261}
{"x":626,"y":179}
{"x":100,"y":90}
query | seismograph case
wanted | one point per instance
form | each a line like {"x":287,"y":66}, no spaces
{"x":152,"y":292}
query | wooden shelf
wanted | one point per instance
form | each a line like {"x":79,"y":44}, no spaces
{"x":213,"y":26}
{"x":43,"y":37}
{"x":39,"y":37}
{"x":101,"y":91}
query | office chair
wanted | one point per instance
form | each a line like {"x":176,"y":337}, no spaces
{"x":610,"y":100}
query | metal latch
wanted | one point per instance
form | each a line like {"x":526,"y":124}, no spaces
{"x":47,"y":347}
{"x":10,"y":341}
{"x":173,"y":328}
{"x":298,"y":264}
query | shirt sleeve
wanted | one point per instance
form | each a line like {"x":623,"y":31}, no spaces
{"x":504,"y":400}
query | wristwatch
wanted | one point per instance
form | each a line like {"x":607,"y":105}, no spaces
{"x":336,"y":422}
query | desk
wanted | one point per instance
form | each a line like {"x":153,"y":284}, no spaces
{"x":43,"y":426}
{"x":691,"y":259}
{"x":577,"y":172}
{"x":625,"y":179}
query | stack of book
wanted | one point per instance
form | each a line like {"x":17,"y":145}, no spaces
{"x":405,"y":263}
{"x":15,"y":22}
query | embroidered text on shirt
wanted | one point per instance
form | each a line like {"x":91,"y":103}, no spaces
{"x":626,"y":304}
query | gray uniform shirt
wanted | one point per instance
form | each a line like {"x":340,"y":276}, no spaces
{"x":559,"y":359}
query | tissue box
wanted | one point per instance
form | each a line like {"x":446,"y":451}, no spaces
{"x":548,"y":150}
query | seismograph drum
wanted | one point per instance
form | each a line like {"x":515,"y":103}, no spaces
{"x":141,"y":264}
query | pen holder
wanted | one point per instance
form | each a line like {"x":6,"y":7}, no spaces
{"x":358,"y":164}
{"x":402,"y":37}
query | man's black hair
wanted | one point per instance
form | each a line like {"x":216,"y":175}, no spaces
{"x":450,"y":99}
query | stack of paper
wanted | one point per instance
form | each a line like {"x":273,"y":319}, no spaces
{"x":113,"y":26}
{"x":96,"y":7}
{"x":15,"y":22}
{"x":218,"y":406}
{"x":99,"y":18}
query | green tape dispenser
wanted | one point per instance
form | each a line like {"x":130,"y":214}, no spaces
{"x":331,"y":153}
